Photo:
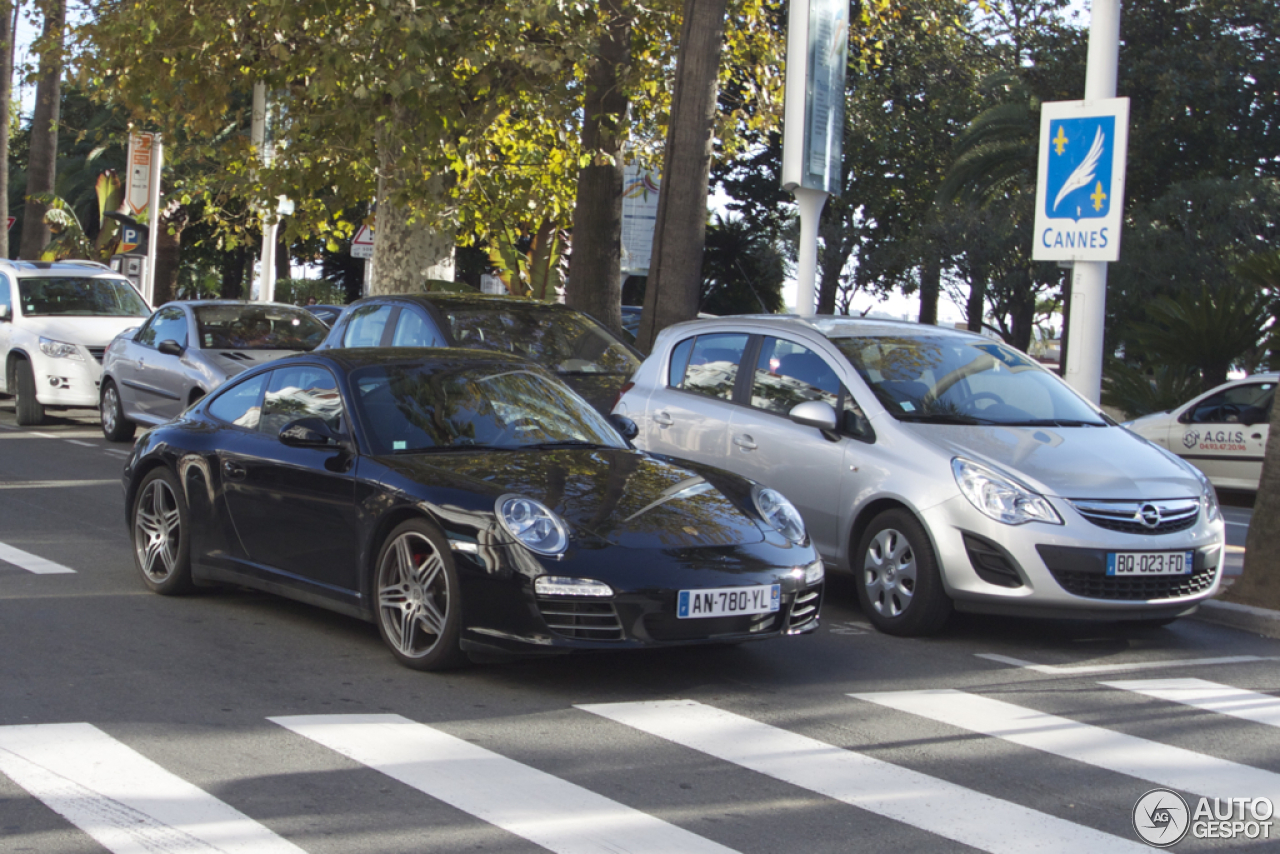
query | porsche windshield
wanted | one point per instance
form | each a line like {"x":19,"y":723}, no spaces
{"x":952,"y":380}
{"x":418,"y":408}
{"x":80,"y":296}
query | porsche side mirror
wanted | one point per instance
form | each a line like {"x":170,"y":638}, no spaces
{"x":625,"y":426}
{"x":310,"y":433}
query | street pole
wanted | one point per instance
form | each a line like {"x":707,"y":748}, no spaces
{"x":1089,"y":278}
{"x":266,"y":262}
{"x":154,"y":221}
{"x":809,"y":203}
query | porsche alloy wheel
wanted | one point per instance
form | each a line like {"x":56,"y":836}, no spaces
{"x":417,"y":596}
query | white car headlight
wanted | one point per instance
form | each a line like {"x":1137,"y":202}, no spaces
{"x":533,"y":524}
{"x":779,"y":513}
{"x":1000,"y":497}
{"x":60,"y":349}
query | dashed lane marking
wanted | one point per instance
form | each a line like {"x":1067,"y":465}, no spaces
{"x":56,"y":484}
{"x":30,"y":562}
{"x":1086,"y":669}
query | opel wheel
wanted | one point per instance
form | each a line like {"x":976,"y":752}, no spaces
{"x":899,"y":585}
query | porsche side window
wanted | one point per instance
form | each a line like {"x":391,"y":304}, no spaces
{"x":413,"y":331}
{"x":241,"y":404}
{"x":301,"y":391}
{"x":713,"y":364}
{"x":366,"y":325}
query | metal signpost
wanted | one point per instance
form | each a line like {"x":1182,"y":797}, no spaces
{"x":145,"y":158}
{"x":813,"y":123}
{"x":1080,"y":195}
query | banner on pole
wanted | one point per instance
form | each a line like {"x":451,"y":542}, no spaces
{"x":1080,"y":186}
{"x":813,"y":121}
{"x":138,"y":191}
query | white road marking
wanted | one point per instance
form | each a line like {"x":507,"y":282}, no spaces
{"x":1209,"y":696}
{"x":546,"y":810}
{"x":81,"y":444}
{"x":56,"y":484}
{"x":1084,"y":669}
{"x":934,"y":805}
{"x":1125,"y":754}
{"x":126,"y":802}
{"x":30,"y":562}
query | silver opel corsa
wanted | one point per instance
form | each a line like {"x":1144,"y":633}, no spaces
{"x":944,"y":469}
{"x":187,"y":349}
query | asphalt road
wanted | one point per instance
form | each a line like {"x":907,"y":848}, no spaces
{"x":236,"y":722}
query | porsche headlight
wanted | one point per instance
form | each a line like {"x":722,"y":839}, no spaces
{"x":60,"y":349}
{"x":779,"y":513}
{"x":1000,"y":497}
{"x":533,"y":524}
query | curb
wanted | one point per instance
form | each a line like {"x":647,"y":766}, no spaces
{"x":1263,"y":621}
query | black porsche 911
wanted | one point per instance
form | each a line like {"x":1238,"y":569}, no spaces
{"x":463,"y":501}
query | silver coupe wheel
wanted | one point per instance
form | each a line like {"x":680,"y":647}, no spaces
{"x":157,"y":532}
{"x":417,"y":599}
{"x":889,"y":573}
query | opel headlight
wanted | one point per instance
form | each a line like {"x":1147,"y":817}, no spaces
{"x":60,"y":349}
{"x":1000,"y":497}
{"x":1208,"y":498}
{"x":779,"y":513}
{"x":533,"y":524}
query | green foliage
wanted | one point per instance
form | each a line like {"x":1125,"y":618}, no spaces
{"x":742,"y":271}
{"x":531,"y":266}
{"x":69,"y":239}
{"x":1138,"y":391}
{"x":298,"y":291}
{"x":1205,"y":330}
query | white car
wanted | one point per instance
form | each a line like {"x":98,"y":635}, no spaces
{"x":56,"y":320}
{"x":1222,"y":432}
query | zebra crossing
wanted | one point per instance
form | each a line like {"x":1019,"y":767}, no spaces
{"x":130,"y":804}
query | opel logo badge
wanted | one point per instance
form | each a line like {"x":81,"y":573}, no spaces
{"x":1149,"y":515}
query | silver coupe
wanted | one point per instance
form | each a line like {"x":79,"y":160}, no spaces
{"x":185,"y":350}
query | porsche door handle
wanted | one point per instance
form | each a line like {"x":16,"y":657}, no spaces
{"x":233,"y":471}
{"x":745,"y":442}
{"x":663,"y":419}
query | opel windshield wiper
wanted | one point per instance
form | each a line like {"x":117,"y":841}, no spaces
{"x":1057,"y":422}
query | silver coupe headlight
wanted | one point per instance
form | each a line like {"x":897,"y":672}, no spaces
{"x":1000,"y":497}
{"x":60,"y":349}
{"x":779,"y":513}
{"x":533,"y":524}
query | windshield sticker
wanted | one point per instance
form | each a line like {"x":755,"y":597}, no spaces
{"x":908,"y":406}
{"x":1003,"y":355}
{"x":398,"y":446}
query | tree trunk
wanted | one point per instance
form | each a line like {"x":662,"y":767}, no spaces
{"x":406,"y":251}
{"x":675,"y":274}
{"x":833,"y":255}
{"x":233,"y":269}
{"x":7,"y":20}
{"x":169,"y":254}
{"x":977,"y":307}
{"x":930,"y":287}
{"x":284,"y":265}
{"x":43,"y":163}
{"x":595,"y":268}
{"x":1260,"y":584}
{"x":1066,"y":323}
